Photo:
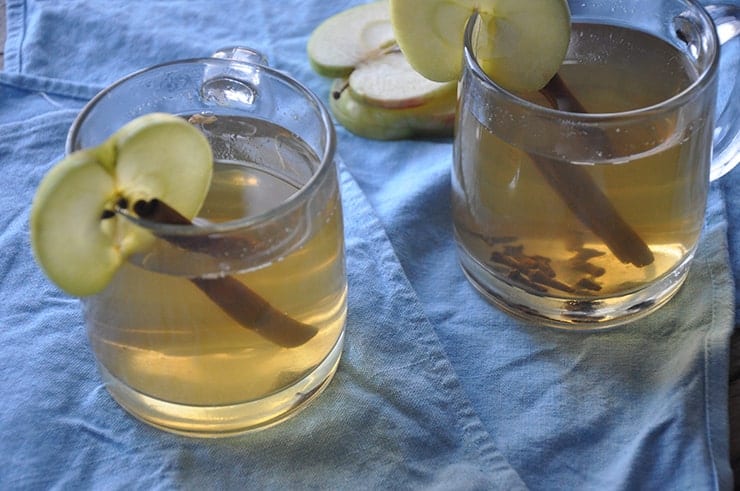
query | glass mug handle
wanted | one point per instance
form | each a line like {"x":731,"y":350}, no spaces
{"x":726,"y":149}
{"x":241,"y":53}
{"x":239,"y":86}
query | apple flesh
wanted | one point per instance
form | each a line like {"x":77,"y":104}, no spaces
{"x":433,"y":119}
{"x":78,"y":237}
{"x":520,"y":44}
{"x":376,"y":93}
{"x":389,"y":81}
{"x":346,"y":39}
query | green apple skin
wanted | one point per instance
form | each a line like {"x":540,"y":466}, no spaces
{"x":77,"y":237}
{"x":67,"y":238}
{"x":432,"y":119}
{"x":521,"y":43}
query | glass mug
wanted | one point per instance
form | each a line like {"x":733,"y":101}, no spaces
{"x":236,"y":321}
{"x":580,"y":206}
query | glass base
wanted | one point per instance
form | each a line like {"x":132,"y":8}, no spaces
{"x":221,"y":421}
{"x":573,"y":314}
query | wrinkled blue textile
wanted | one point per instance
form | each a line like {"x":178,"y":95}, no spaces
{"x":436,"y":389}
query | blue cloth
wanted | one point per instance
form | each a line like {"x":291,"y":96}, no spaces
{"x":436,"y":389}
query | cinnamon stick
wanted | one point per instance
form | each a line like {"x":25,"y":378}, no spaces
{"x":583,"y":196}
{"x":157,"y":211}
{"x":235,"y":298}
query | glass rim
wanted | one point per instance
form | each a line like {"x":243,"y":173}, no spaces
{"x":697,"y":85}
{"x":326,"y":159}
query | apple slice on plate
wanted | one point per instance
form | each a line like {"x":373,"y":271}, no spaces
{"x":520,"y":43}
{"x":78,"y":237}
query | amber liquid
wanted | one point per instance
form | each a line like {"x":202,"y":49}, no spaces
{"x":160,"y":335}
{"x":512,"y":221}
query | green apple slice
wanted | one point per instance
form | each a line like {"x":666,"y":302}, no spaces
{"x":376,"y":93}
{"x":434,"y":118}
{"x":77,"y":237}
{"x":521,"y":44}
{"x":358,"y":44}
{"x":389,"y":81}
{"x":66,"y":233}
{"x":163,"y":156}
{"x":344,"y":40}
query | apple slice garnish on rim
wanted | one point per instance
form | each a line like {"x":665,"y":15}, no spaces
{"x":156,"y":166}
{"x":77,"y":237}
{"x":521,"y":43}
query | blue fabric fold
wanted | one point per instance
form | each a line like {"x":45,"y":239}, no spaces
{"x":620,"y":409}
{"x":436,"y":388}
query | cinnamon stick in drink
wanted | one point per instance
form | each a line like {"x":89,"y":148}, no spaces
{"x":583,"y":196}
{"x":235,"y":298}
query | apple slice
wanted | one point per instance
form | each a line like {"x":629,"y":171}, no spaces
{"x":389,"y":81}
{"x":435,"y":118}
{"x":77,"y":236}
{"x":358,"y":44}
{"x":375,"y":84}
{"x":344,"y":40}
{"x":521,"y":44}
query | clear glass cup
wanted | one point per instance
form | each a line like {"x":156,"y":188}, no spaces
{"x":580,"y":206}
{"x":236,"y":321}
